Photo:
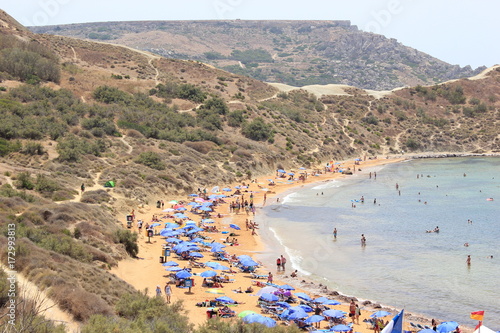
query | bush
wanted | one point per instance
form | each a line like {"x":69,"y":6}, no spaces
{"x":257,"y":130}
{"x":25,"y":181}
{"x":110,"y":95}
{"x":33,"y":148}
{"x":151,"y":159}
{"x":44,"y":184}
{"x":235,"y":118}
{"x":129,"y":240}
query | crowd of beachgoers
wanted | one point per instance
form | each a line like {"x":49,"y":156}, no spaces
{"x":205,"y":243}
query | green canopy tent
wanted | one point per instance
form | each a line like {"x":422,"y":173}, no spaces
{"x":109,"y":183}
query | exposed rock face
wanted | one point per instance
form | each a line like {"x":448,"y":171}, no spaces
{"x":293,"y":52}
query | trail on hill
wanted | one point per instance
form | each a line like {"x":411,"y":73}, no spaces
{"x":48,"y":308}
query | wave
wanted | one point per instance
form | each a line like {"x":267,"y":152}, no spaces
{"x":293,"y":255}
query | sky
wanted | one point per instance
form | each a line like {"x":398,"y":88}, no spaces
{"x":460,"y":32}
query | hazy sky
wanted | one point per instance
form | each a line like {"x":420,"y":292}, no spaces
{"x":464,"y":32}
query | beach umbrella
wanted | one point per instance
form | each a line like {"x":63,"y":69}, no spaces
{"x":302,"y":168}
{"x":225,"y":299}
{"x":171,"y":225}
{"x":245,"y":313}
{"x":286,"y":287}
{"x":291,"y":174}
{"x":268,"y":289}
{"x":304,"y":296}
{"x":174,"y":269}
{"x":173,"y":240}
{"x":226,"y":189}
{"x":340,"y":328}
{"x":296,"y":314}
{"x":258,"y":318}
{"x":234,"y":226}
{"x":214,"y":291}
{"x":331,"y":302}
{"x":197,"y":240}
{"x":208,"y":274}
{"x":155,"y":225}
{"x":168,"y":210}
{"x":211,"y":264}
{"x":380,"y":314}
{"x":193,"y":203}
{"x":314,"y":319}
{"x":320,"y":300}
{"x":205,"y":209}
{"x":220,"y":267}
{"x":170,"y":263}
{"x":334,"y":313}
{"x":447,"y":326}
{"x":207,"y":221}
{"x":284,"y":304}
{"x":281,"y":170}
{"x":196,"y":255}
{"x":181,"y":216}
{"x":249,"y":262}
{"x":193,"y":195}
{"x":183,"y":274}
{"x":269,"y":297}
{"x":306,"y":308}
{"x":173,"y":202}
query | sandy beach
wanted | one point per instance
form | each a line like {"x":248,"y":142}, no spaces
{"x":147,"y":271}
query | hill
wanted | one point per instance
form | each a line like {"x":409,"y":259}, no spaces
{"x":297,"y":53}
{"x":79,"y":112}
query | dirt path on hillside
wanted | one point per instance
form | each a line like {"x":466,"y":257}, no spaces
{"x":47,"y":307}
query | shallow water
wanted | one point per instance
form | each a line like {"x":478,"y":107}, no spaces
{"x":401,"y":265}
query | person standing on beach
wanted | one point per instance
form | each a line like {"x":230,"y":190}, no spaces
{"x":352,"y":310}
{"x":335,"y":233}
{"x":270,"y":278}
{"x":168,"y":292}
{"x":158,"y":291}
{"x":283,"y":262}
{"x":468,"y":260}
{"x":278,"y":264}
{"x":363,"y":240}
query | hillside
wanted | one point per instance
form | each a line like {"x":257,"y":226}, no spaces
{"x":78,"y":112}
{"x":297,"y":53}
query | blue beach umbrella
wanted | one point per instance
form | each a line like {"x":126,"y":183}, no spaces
{"x":208,"y":274}
{"x":340,"y":328}
{"x":258,"y":318}
{"x":226,"y":189}
{"x":296,"y":314}
{"x":211,"y":264}
{"x":170,"y":263}
{"x":207,"y":221}
{"x":447,"y":326}
{"x":234,"y":226}
{"x":320,"y":300}
{"x":193,"y":203}
{"x":181,"y":209}
{"x":174,"y":269}
{"x":269,"y":297}
{"x":281,"y":170}
{"x":331,"y":302}
{"x":304,"y":296}
{"x":196,"y":255}
{"x":193,"y":195}
{"x":225,"y":299}
{"x":334,"y":313}
{"x":380,"y":314}
{"x":205,"y":209}
{"x":220,"y":267}
{"x":197,"y":240}
{"x":286,"y":287}
{"x":284,"y":304}
{"x":183,"y":274}
{"x":314,"y":319}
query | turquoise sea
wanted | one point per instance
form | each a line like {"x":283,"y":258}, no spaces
{"x":401,"y":265}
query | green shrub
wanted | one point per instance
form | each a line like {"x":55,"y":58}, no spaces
{"x":257,"y":130}
{"x":151,"y":159}
{"x":129,"y":240}
{"x":25,"y":181}
{"x":110,"y":95}
{"x":235,"y":118}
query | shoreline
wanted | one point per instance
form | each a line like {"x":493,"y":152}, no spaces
{"x":127,"y":269}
